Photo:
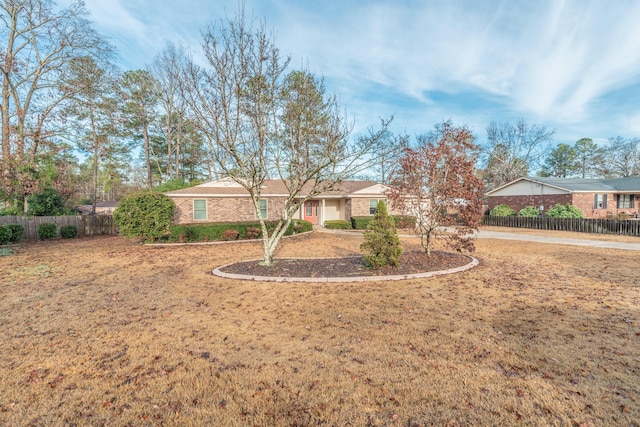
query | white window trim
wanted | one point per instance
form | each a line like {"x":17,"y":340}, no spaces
{"x":266,"y":209}
{"x":206,"y":209}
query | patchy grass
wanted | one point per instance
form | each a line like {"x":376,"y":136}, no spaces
{"x":104,"y":331}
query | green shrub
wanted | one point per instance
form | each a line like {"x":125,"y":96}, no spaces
{"x":360,"y":222}
{"x":145,"y":214}
{"x":13,"y":211}
{"x":5,"y":235}
{"x":529,"y":212}
{"x":300,"y":226}
{"x":17,"y":231}
{"x":381,"y":243}
{"x":47,"y":231}
{"x":69,"y":231}
{"x":564,"y":211}
{"x":46,"y":203}
{"x":401,"y":221}
{"x":215,"y":231}
{"x":502,"y":210}
{"x":337,"y":224}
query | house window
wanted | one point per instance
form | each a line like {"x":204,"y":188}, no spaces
{"x":263,"y":209}
{"x":625,"y":201}
{"x":199,"y":210}
{"x":373,"y":206}
{"x":600,"y":201}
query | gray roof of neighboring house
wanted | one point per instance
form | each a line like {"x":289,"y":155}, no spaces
{"x":273,"y":187}
{"x":611,"y":185}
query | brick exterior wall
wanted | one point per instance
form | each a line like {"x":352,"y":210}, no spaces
{"x":226,"y":209}
{"x":229,"y":209}
{"x":583,"y":201}
{"x":360,"y":207}
{"x":518,"y":202}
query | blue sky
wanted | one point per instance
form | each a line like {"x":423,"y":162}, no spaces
{"x":573,"y":66}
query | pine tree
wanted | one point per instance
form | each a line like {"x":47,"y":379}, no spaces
{"x":381,"y":243}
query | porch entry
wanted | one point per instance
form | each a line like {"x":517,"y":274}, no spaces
{"x":311,"y":211}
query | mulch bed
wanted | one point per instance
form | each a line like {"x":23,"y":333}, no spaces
{"x":411,"y":262}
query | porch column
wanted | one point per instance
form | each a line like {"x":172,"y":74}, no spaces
{"x":322,"y":213}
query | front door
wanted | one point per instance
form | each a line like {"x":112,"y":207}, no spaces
{"x":311,"y":211}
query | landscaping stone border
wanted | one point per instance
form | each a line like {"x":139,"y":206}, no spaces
{"x":217,"y":272}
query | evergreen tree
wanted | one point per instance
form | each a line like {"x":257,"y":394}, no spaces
{"x":381,"y":242}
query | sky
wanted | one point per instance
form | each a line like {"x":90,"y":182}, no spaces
{"x":573,"y":66}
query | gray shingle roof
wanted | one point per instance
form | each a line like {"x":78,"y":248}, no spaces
{"x":592,"y":185}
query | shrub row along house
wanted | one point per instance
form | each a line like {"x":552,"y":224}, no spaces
{"x":226,"y":201}
{"x":596,"y":198}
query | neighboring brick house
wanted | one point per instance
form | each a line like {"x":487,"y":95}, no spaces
{"x":596,"y":198}
{"x":227,"y":201}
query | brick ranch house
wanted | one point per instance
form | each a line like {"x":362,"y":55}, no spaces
{"x":596,"y":198}
{"x":226,"y":201}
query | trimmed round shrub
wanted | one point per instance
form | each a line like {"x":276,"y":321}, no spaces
{"x":564,"y":211}
{"x":230,"y":235}
{"x":47,"y":231}
{"x":529,"y":212}
{"x":146,"y":214}
{"x":253,"y":232}
{"x":502,"y":210}
{"x":17,"y":231}
{"x":5,"y":235}
{"x":69,"y":231}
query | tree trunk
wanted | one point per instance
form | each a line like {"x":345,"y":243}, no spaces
{"x":145,"y":137}
{"x":95,"y":177}
{"x":169,"y":150}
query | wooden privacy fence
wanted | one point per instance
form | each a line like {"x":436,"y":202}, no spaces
{"x":627,"y":227}
{"x":88,"y":225}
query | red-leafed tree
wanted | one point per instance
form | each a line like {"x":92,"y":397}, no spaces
{"x":437,"y":184}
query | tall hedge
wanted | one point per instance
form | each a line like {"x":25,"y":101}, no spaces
{"x":145,"y":214}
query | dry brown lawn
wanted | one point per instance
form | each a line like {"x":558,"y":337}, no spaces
{"x":104,"y":331}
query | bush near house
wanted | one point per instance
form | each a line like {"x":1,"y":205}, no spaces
{"x":502,"y":210}
{"x":400,"y":221}
{"x":47,"y":231}
{"x":17,"y":232}
{"x":145,"y":214}
{"x":529,"y":212}
{"x":5,"y":235}
{"x":224,"y":231}
{"x":69,"y":231}
{"x":338,"y":224}
{"x":564,"y":211}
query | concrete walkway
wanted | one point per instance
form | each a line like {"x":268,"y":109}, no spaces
{"x":483,"y":234}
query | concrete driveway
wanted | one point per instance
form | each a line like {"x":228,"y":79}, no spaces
{"x":483,"y":234}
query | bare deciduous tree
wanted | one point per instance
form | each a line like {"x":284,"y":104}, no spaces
{"x":437,"y":184}
{"x":40,"y":41}
{"x":264,"y":122}
{"x":513,"y":150}
{"x":619,"y":158}
{"x":166,"y":68}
